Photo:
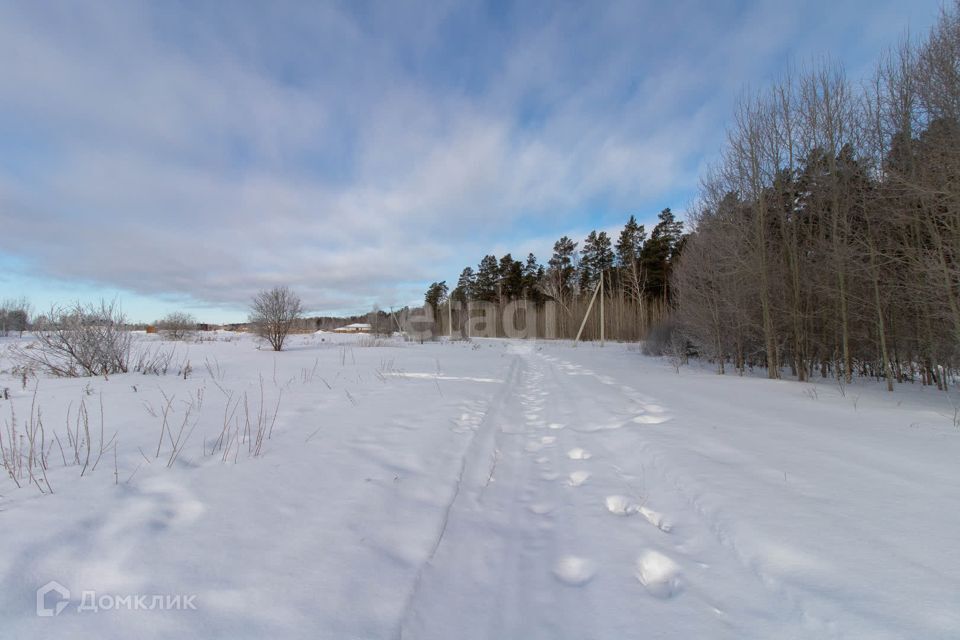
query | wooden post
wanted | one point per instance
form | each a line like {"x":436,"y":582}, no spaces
{"x":449,"y":318}
{"x":601,"y":309}
{"x":399,"y":328}
{"x":587,"y":314}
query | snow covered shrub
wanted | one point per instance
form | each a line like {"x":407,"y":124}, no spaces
{"x":80,"y":340}
{"x":87,"y":340}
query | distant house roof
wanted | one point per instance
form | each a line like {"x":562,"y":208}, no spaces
{"x":355,"y":327}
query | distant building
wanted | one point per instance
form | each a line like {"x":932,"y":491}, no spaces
{"x":356,"y":327}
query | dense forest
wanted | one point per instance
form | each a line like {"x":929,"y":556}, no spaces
{"x":635,"y":269}
{"x":825,"y":241}
{"x":827,"y":238}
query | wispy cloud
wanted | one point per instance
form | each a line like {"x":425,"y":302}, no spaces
{"x":354,"y":150}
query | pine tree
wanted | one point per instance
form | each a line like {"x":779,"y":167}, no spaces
{"x":628,"y":257}
{"x":657,"y":253}
{"x":532,"y":275}
{"x":510,"y":282}
{"x":488,"y":277}
{"x":466,"y":286}
{"x":587,"y":271}
{"x":596,"y":258}
{"x":629,"y":243}
{"x":560,"y":273}
{"x":436,"y":295}
{"x":602,"y":253}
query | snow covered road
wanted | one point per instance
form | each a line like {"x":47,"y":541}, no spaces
{"x":499,"y":490}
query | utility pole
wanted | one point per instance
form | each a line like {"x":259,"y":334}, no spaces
{"x":394,"y":316}
{"x":450,"y":318}
{"x":587,"y":314}
{"x":601,"y":308}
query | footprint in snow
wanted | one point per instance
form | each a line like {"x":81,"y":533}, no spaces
{"x":623,"y":506}
{"x":578,"y":454}
{"x":540,"y":508}
{"x":648,"y":419}
{"x":659,"y":574}
{"x":574,"y":570}
{"x":556,"y":425}
{"x":577,"y":478}
{"x":656,"y":519}
{"x":620,"y":506}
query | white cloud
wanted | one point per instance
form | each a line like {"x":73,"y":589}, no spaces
{"x":208,"y":153}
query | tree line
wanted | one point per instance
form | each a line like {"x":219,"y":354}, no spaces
{"x":826,"y":239}
{"x":635,"y":268}
{"x":14,"y":316}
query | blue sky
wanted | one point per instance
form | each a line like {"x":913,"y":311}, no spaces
{"x":182,"y":155}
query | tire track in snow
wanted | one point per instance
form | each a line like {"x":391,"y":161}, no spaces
{"x":472,"y":456}
{"x":530,"y":544}
{"x":499,"y":564}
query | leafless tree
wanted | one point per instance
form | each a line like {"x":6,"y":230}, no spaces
{"x":14,"y":316}
{"x":828,"y":236}
{"x":177,"y":325}
{"x":273,"y":313}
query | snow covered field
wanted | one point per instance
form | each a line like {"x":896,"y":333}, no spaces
{"x":492,"y":489}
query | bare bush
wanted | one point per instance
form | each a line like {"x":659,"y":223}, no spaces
{"x":273,"y":313}
{"x":254,"y":430}
{"x":86,"y":340}
{"x":667,"y":340}
{"x":659,"y":340}
{"x":368,"y":340}
{"x":80,"y":340}
{"x":177,"y":326}
{"x":24,"y":453}
{"x":153,"y":361}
